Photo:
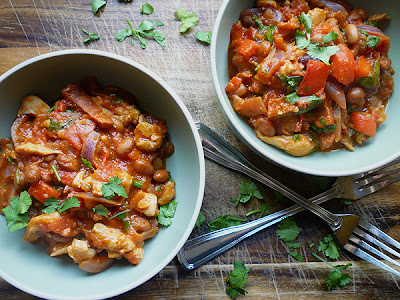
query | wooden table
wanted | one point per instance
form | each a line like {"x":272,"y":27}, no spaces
{"x":30,"y":27}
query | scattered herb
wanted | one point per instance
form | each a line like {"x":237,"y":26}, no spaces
{"x":326,"y":38}
{"x":11,"y":160}
{"x":327,"y":128}
{"x":50,"y":205}
{"x":296,"y":256}
{"x":336,"y":278}
{"x":58,"y":125}
{"x":345,"y":201}
{"x":225,"y":221}
{"x":188,"y":19}
{"x":97,"y":4}
{"x":293,"y":81}
{"x":147,"y":9}
{"x":113,"y":187}
{"x":296,"y":137}
{"x":92,"y":36}
{"x":329,"y":246}
{"x":103,"y":211}
{"x":69,"y":203}
{"x":311,"y":245}
{"x":322,"y":121}
{"x":247,"y":190}
{"x":50,"y":110}
{"x":16,"y":213}
{"x":263,"y":209}
{"x":322,"y":53}
{"x":204,"y":37}
{"x":288,"y":230}
{"x":56,"y":173}
{"x":159,"y":23}
{"x":167,"y":212}
{"x":146,"y":29}
{"x":87,"y":163}
{"x":371,"y":40}
{"x":200,"y":220}
{"x":269,"y":35}
{"x":294,"y":245}
{"x":373,"y":23}
{"x":138,"y":183}
{"x":236,"y":280}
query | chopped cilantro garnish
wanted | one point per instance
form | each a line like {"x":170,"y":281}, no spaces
{"x":50,"y":110}
{"x":371,"y":40}
{"x":167,"y":212}
{"x":322,"y":53}
{"x":311,"y":245}
{"x":329,"y":246}
{"x":58,"y":125}
{"x":11,"y":160}
{"x":225,"y":221}
{"x":56,"y":173}
{"x":322,"y":121}
{"x":237,"y":279}
{"x":147,"y":9}
{"x":294,"y":245}
{"x":87,"y":163}
{"x":263,"y":209}
{"x":269,"y":36}
{"x":97,"y":4}
{"x":296,"y":255}
{"x":159,"y":23}
{"x":138,"y":183}
{"x":188,"y":19}
{"x":92,"y":36}
{"x":296,"y":137}
{"x":200,"y":220}
{"x":146,"y":29}
{"x":336,"y":278}
{"x":247,"y":190}
{"x":16,"y":213}
{"x":326,"y":38}
{"x":113,"y":187}
{"x":103,"y":211}
{"x":204,"y":37}
{"x":293,"y":81}
{"x":288,"y":230}
{"x":69,"y":203}
{"x":52,"y":204}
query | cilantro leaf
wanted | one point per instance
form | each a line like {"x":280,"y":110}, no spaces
{"x":326,"y":38}
{"x":138,"y":183}
{"x":69,"y":203}
{"x":157,"y":35}
{"x":147,"y":9}
{"x":269,"y":36}
{"x":204,"y":37}
{"x":224,"y":221}
{"x":159,"y":23}
{"x":92,"y":36}
{"x":306,"y":20}
{"x":87,"y":163}
{"x":200,"y":220}
{"x":167,"y":212}
{"x":122,"y":34}
{"x":371,"y":40}
{"x":97,"y":4}
{"x":50,"y":205}
{"x":336,"y":278}
{"x":301,"y":41}
{"x":237,"y":279}
{"x":113,"y":187}
{"x":294,"y":245}
{"x":296,"y":256}
{"x":329,"y":246}
{"x":322,"y":53}
{"x":288,"y":230}
{"x":101,"y":210}
{"x":16,"y":213}
{"x":146,"y":26}
{"x":247,"y":190}
{"x":188,"y":19}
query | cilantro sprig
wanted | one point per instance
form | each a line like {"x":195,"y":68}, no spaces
{"x":288,"y":230}
{"x":146,"y":30}
{"x":112,"y":188}
{"x":97,"y":4}
{"x":92,"y":36}
{"x":247,"y":190}
{"x":188,"y":19}
{"x":147,"y":9}
{"x":236,"y":280}
{"x":329,"y":246}
{"x":52,"y":204}
{"x":371,"y":40}
{"x":336,"y":278}
{"x":204,"y":37}
{"x":167,"y":212}
{"x":17,"y":212}
{"x":263,"y":209}
{"x":200,"y":220}
{"x":103,"y":211}
{"x":87,"y":163}
{"x":224,"y":222}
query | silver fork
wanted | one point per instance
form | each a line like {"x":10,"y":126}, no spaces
{"x":203,"y":248}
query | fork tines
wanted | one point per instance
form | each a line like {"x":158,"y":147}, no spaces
{"x":365,"y":240}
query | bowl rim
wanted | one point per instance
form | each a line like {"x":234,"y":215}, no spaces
{"x":231,"y":118}
{"x":167,"y":259}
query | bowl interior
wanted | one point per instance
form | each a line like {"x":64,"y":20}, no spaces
{"x":371,"y":154}
{"x":26,"y":265}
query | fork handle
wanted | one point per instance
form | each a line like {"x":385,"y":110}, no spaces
{"x":220,"y":151}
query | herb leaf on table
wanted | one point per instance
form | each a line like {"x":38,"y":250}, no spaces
{"x":237,"y":279}
{"x":188,"y":19}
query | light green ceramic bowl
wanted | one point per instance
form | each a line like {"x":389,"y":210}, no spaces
{"x":372,"y":154}
{"x":26,"y":265}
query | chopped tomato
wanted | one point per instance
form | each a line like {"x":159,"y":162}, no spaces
{"x":314,"y":79}
{"x":247,"y":49}
{"x":364,"y":123}
{"x":250,"y":33}
{"x":364,"y":67}
{"x":42,"y":190}
{"x":233,"y":85}
{"x":236,"y":35}
{"x":279,"y":42}
{"x":343,"y":65}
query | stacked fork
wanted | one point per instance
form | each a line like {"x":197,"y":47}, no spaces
{"x":356,"y":235}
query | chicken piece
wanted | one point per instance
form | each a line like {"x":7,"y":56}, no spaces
{"x":35,"y":149}
{"x":62,"y":224}
{"x":296,"y":147}
{"x":168,"y":193}
{"x":250,"y":107}
{"x":149,"y":137}
{"x":80,"y":250}
{"x":96,"y":264}
{"x":58,"y":249}
{"x":135,"y":256}
{"x":33,"y":105}
{"x":110,"y":239}
{"x":145,"y":203}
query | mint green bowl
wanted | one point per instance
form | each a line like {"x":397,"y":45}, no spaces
{"x":26,"y":265}
{"x":371,"y":154}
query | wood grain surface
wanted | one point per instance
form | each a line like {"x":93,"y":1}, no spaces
{"x":32,"y":27}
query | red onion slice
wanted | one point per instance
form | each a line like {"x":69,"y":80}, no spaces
{"x":372,"y":30}
{"x":335,"y":91}
{"x":89,"y":146}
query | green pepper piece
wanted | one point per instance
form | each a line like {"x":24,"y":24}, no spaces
{"x":372,"y":80}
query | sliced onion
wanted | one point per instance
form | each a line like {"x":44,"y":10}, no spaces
{"x":335,"y":91}
{"x":14,"y":129}
{"x":372,"y":30}
{"x":338,"y":122}
{"x":89,"y":146}
{"x":334,"y":6}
